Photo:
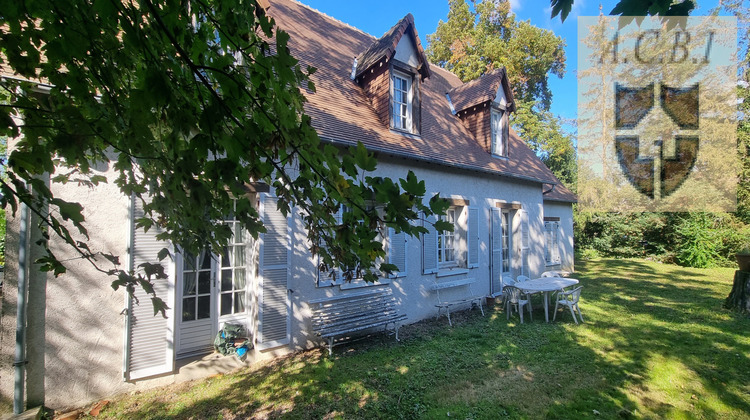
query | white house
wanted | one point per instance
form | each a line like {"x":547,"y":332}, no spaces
{"x":511,"y":216}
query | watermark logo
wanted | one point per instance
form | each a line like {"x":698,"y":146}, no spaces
{"x":657,"y":114}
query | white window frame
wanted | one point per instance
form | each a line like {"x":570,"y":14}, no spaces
{"x":499,"y":140}
{"x":552,"y":242}
{"x":324,"y":280}
{"x":446,"y":245}
{"x":506,"y":223}
{"x":399,"y":120}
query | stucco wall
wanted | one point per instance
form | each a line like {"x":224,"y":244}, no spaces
{"x":84,"y":334}
{"x":417,"y":300}
{"x":81,"y":343}
{"x":565,"y":212}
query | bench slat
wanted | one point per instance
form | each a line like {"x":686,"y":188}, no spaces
{"x":350,"y":313}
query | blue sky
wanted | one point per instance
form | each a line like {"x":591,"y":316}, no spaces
{"x":376,"y":18}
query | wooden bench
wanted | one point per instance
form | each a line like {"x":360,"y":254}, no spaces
{"x":341,"y":316}
{"x":470,"y":296}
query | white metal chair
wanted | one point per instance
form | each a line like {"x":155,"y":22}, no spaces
{"x":570,"y":299}
{"x":551,"y":274}
{"x":514,"y":297}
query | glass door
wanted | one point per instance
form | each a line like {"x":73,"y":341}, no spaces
{"x":197,"y":303}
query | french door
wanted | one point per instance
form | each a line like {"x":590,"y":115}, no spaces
{"x":213,"y":291}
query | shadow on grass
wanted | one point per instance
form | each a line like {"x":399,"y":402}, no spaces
{"x":656,"y":344}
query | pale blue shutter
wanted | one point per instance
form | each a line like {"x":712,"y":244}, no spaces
{"x":429,"y":246}
{"x":496,"y":250}
{"x":397,"y":251}
{"x":273,"y":298}
{"x":472,"y":237}
{"x":150,"y":338}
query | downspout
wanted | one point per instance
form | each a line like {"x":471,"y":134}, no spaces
{"x":20,"y":360}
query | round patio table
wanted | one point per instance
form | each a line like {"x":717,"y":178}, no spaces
{"x":546,"y":285}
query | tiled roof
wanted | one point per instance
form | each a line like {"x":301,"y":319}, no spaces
{"x":481,"y":90}
{"x":342,"y":114}
{"x":385,"y":47}
{"x":558,"y":193}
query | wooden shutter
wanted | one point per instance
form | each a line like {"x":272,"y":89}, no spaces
{"x":472,"y":238}
{"x":150,"y":338}
{"x":496,"y":249}
{"x":429,"y":246}
{"x":273,"y":297}
{"x":506,"y":133}
{"x":397,"y":251}
{"x":416,"y":109}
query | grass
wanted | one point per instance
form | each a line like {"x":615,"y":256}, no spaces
{"x":656,"y":344}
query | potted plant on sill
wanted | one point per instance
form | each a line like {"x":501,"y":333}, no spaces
{"x":743,"y":258}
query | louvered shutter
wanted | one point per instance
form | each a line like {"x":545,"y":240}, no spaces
{"x":273,"y":298}
{"x":150,"y":338}
{"x":397,"y":251}
{"x":472,"y":237}
{"x":525,"y":242}
{"x":496,"y":249}
{"x":429,"y":246}
{"x":506,"y":134}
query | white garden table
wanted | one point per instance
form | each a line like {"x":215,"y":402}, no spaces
{"x":546,"y":285}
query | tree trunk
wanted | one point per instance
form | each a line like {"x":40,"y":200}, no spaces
{"x":739,"y":297}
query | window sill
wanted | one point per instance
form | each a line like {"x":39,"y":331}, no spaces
{"x":452,"y":272}
{"x":358,"y":284}
{"x":405,"y":133}
{"x":552,"y":264}
{"x":499,"y":156}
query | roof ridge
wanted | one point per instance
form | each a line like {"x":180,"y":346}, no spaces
{"x":332,"y":18}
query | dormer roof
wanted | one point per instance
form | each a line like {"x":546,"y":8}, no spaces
{"x":384,"y":48}
{"x":481,"y":90}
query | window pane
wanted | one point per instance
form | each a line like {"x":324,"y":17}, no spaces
{"x":204,"y":307}
{"x":226,"y":303}
{"x":239,"y":256}
{"x":239,"y":234}
{"x":225,"y":257}
{"x":205,"y":260}
{"x":239,"y":302}
{"x":204,"y":282}
{"x":188,"y":262}
{"x":188,"y":309}
{"x":188,"y":287}
{"x":226,"y":279}
{"x":239,"y":278}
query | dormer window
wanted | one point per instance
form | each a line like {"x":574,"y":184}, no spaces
{"x":401,"y":101}
{"x":500,"y":132}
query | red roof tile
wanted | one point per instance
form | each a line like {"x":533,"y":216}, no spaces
{"x":481,"y":90}
{"x":342,"y":114}
{"x":385,"y":47}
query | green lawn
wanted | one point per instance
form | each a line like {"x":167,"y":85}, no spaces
{"x":656,"y":344}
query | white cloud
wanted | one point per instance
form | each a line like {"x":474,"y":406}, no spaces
{"x":515,"y":6}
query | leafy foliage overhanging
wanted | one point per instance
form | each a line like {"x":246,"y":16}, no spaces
{"x":189,"y":102}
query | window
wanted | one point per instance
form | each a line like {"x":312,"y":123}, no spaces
{"x":336,"y":276}
{"x":551,"y":242}
{"x":402,"y":98}
{"x":506,"y":238}
{"x":233,"y":278}
{"x":447,"y":241}
{"x":500,"y":133}
{"x":444,"y":252}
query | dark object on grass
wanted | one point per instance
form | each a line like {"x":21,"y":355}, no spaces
{"x":739,"y":297}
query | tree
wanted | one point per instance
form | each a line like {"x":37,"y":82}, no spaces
{"x":191,"y":101}
{"x":473,"y":42}
{"x":632,"y":8}
{"x":544,"y":134}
